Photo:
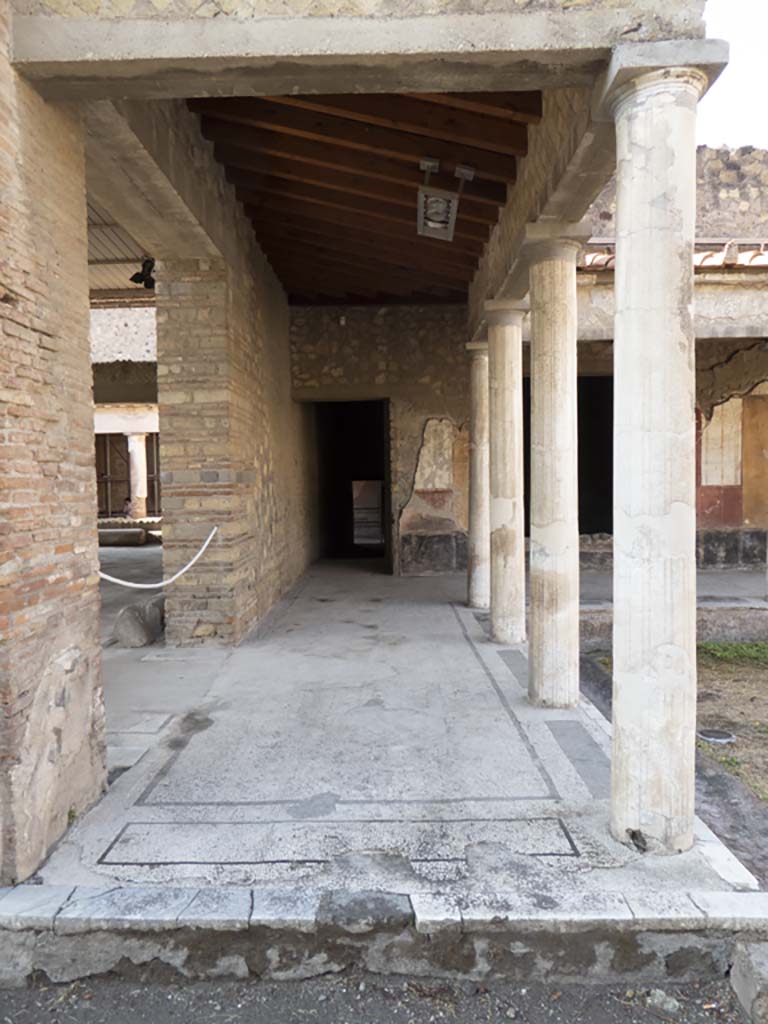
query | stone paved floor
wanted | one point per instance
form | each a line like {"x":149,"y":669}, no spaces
{"x":372,"y":738}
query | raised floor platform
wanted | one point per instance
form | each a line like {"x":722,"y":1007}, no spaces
{"x":371,"y":741}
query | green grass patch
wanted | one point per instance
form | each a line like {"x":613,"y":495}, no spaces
{"x":736,"y":653}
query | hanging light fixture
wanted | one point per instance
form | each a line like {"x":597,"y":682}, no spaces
{"x":438,"y":207}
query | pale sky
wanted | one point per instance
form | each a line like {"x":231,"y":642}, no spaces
{"x":734,"y":112}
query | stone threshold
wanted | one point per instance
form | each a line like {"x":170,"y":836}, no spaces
{"x":289,"y":933}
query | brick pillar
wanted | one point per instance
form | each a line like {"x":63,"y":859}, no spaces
{"x":204,"y":476}
{"x":52,"y":763}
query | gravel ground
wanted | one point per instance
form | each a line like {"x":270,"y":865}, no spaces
{"x":370,"y":999}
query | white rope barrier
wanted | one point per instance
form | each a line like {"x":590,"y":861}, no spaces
{"x":162,"y":583}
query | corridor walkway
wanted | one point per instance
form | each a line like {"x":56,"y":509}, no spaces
{"x":371,"y":737}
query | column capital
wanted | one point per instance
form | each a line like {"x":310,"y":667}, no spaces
{"x":506,"y":311}
{"x":635,"y":68}
{"x":546,"y":240}
{"x":477,"y":348}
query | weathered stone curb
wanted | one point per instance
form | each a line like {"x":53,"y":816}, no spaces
{"x":749,"y":978}
{"x":73,"y":932}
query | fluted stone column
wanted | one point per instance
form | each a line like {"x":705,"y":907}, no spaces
{"x":505,"y":351}
{"x":137,"y":466}
{"x":479,"y":574}
{"x":554,"y":546}
{"x":654,"y":633}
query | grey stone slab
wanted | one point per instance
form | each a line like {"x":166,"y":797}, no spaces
{"x":221,"y":907}
{"x":255,"y":842}
{"x":542,"y":909}
{"x":732,"y":910}
{"x":517,"y":663}
{"x":435,"y":912}
{"x":586,"y":756}
{"x":136,"y":907}
{"x":661,"y":910}
{"x":294,"y":908}
{"x":32,"y":906}
{"x":360,"y":913}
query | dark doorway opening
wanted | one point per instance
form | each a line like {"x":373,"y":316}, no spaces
{"x":354,"y":491}
{"x":595,"y":398}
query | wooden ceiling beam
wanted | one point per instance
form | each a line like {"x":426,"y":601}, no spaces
{"x":376,"y":267}
{"x":369,"y":209}
{"x":330,"y":281}
{"x":373,"y":247}
{"x":521,"y":107}
{"x":430,"y":120}
{"x":337,"y":131}
{"x":300,"y":300}
{"x":269,"y":146}
{"x":245,"y":169}
{"x":278,"y":209}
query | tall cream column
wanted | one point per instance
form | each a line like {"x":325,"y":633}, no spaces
{"x":654,"y":633}
{"x":479,"y":574}
{"x":554,"y":548}
{"x":137,"y":465}
{"x":505,"y":351}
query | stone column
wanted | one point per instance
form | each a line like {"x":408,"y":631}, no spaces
{"x":654,"y":633}
{"x":505,"y":350}
{"x":479,"y":574}
{"x":137,"y":464}
{"x":554,"y":545}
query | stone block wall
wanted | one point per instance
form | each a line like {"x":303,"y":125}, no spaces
{"x":52,"y":758}
{"x":731,"y":196}
{"x":414,"y":356}
{"x":235,"y":451}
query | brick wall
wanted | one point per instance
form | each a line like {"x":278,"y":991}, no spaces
{"x":235,"y":451}
{"x":415,"y":357}
{"x":51,"y":714}
{"x":551,"y":145}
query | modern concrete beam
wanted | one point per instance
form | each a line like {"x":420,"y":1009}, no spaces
{"x":125,"y":178}
{"x":183,"y":56}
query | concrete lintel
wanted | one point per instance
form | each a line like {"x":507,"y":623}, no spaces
{"x":164,"y":57}
{"x":629,"y":60}
{"x":507,"y":306}
{"x":125,"y":418}
{"x":506,"y":311}
{"x":556,"y":231}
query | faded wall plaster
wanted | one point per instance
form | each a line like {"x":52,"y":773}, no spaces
{"x":724,"y":370}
